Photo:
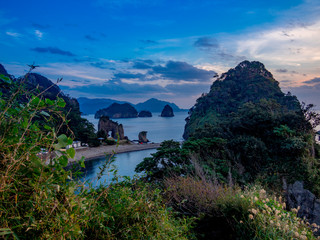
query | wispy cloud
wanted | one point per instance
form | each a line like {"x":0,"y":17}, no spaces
{"x":14,"y":34}
{"x":38,"y":34}
{"x":53,"y":50}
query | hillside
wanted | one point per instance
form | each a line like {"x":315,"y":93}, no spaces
{"x":117,"y":110}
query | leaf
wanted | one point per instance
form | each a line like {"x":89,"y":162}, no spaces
{"x":61,"y":103}
{"x":81,"y":162}
{"x":49,"y":102}
{"x":5,"y":79}
{"x":63,"y":160}
{"x":71,"y":152}
{"x":35,"y":100}
{"x":63,"y":141}
{"x":47,"y":127}
{"x":45,"y":113}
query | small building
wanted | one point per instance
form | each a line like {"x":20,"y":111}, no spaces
{"x":75,"y":144}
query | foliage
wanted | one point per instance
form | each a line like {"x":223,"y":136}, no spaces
{"x":268,"y":134}
{"x":169,"y":159}
{"x":40,"y":200}
{"x":232,"y":213}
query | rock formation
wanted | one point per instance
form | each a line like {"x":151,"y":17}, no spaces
{"x":143,"y":137}
{"x":145,"y":114}
{"x":117,"y":110}
{"x":309,"y":206}
{"x":106,"y":125}
{"x":167,"y":111}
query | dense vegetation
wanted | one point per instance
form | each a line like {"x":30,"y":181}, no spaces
{"x":244,"y":131}
{"x":117,"y":110}
{"x":37,"y":198}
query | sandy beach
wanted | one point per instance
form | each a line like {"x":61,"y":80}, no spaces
{"x":90,"y":153}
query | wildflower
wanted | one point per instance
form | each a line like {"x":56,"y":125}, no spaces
{"x":256,"y":199}
{"x":262,"y":191}
{"x":242,"y":196}
{"x":296,"y":234}
{"x":250,"y":216}
{"x":267,"y":199}
{"x":241,"y":221}
{"x":278,"y":224}
{"x":271,"y":222}
{"x":314,"y":225}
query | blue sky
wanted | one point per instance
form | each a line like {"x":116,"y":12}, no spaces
{"x":137,"y":49}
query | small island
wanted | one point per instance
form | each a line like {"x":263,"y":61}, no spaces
{"x":117,"y":110}
{"x":145,"y":114}
{"x":167,"y":111}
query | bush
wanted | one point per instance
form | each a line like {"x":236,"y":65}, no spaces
{"x":37,"y":192}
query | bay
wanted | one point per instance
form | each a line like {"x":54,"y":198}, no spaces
{"x":158,"y":128}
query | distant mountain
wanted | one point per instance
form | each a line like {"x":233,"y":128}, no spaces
{"x":155,"y":105}
{"x":91,"y":106}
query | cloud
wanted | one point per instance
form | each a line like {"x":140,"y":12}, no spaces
{"x":53,"y":50}
{"x":143,"y":64}
{"x":90,"y":38}
{"x":312,"y":81}
{"x":281,"y":70}
{"x":13,"y":34}
{"x":176,"y":70}
{"x":206,"y":42}
{"x":38,"y":34}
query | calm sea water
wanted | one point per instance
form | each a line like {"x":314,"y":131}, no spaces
{"x":125,"y":163}
{"x":159,"y":129}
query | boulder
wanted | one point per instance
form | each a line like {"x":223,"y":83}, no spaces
{"x":106,"y":125}
{"x":145,"y":114}
{"x":167,"y":111}
{"x":297,"y":196}
{"x":143,"y":137}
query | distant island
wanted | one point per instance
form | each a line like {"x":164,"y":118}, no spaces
{"x":91,"y":106}
{"x":145,"y":114}
{"x":117,"y":110}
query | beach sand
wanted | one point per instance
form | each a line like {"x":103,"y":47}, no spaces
{"x":90,"y":153}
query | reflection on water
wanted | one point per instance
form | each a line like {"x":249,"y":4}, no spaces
{"x":125,"y":164}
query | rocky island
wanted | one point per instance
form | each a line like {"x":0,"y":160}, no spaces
{"x":145,"y":114}
{"x":117,"y":110}
{"x":167,"y":111}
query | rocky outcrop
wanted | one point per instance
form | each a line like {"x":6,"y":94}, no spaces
{"x":309,"y":206}
{"x":167,"y":111}
{"x":117,"y":110}
{"x":106,"y":125}
{"x":143,"y":137}
{"x":145,"y":114}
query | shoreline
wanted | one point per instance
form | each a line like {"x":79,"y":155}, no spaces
{"x":101,"y":151}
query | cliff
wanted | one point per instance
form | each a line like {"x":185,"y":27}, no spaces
{"x":167,"y":111}
{"x":106,"y":125}
{"x":117,"y":110}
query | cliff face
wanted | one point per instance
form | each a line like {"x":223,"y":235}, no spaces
{"x":248,"y":82}
{"x":167,"y":111}
{"x":117,"y":110}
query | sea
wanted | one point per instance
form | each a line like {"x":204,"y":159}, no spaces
{"x":158,"y":130}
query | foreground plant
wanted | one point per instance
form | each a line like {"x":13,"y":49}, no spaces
{"x":37,"y":192}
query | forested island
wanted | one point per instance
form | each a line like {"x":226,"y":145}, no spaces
{"x":248,"y":168}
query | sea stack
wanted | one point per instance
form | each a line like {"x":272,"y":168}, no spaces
{"x":106,"y":125}
{"x":167,"y":111}
{"x":143,"y":137}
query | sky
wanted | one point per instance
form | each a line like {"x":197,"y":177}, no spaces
{"x":133,"y":50}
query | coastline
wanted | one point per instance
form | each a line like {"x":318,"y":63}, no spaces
{"x":101,"y":151}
